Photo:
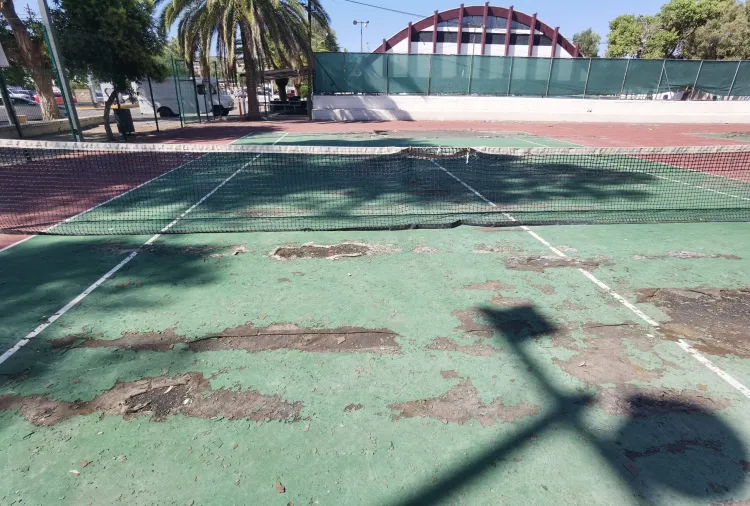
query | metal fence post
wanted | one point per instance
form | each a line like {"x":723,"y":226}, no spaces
{"x":429,"y":74}
{"x":549,"y":76}
{"x":180,"y":104}
{"x":153,"y":102}
{"x":622,"y":88}
{"x":471,"y":69}
{"x":731,"y":86}
{"x":661,"y":76}
{"x":510,"y":74}
{"x":586,"y":84}
{"x":195,"y":91}
{"x":697,"y":76}
{"x":10,"y":110}
{"x":387,"y":72}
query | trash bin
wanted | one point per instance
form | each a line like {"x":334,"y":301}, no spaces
{"x":124,"y":121}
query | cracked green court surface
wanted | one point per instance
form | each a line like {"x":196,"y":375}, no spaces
{"x":453,"y":366}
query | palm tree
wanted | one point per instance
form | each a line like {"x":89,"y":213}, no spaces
{"x":267,"y":28}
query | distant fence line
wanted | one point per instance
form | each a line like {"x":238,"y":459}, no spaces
{"x":428,"y":74}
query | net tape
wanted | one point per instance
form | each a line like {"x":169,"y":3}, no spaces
{"x":91,"y":188}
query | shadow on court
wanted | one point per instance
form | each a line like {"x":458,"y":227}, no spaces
{"x":659,"y":444}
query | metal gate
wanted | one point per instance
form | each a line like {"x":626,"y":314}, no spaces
{"x":187,"y":95}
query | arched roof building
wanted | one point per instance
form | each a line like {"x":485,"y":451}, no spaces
{"x":481,"y":30}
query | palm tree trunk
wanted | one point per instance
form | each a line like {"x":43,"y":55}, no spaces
{"x":251,"y":81}
{"x":33,"y":59}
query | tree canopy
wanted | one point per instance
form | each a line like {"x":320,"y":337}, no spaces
{"x":699,"y":29}
{"x":588,"y":41}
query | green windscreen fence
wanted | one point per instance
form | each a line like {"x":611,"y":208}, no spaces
{"x":439,"y":74}
{"x":568,"y":78}
{"x":490,"y":75}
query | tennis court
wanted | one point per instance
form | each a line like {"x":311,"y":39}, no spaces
{"x":344,"y":341}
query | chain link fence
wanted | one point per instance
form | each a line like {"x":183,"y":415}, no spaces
{"x":425,"y":74}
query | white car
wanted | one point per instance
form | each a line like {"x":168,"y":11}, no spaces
{"x":25,"y":107}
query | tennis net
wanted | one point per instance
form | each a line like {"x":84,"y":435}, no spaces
{"x":75,"y":189}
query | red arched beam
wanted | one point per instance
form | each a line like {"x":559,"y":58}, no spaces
{"x":508,"y":29}
{"x":554,"y":42}
{"x":460,"y":28}
{"x":478,"y":10}
{"x":484,"y":25}
{"x":532,"y":28}
{"x":434,"y":32}
{"x":410,"y":30}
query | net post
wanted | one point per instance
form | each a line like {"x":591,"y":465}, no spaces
{"x":549,"y":76}
{"x":387,"y":71}
{"x":586,"y":84}
{"x":661,"y":76}
{"x":180,"y":105}
{"x":695,"y":83}
{"x":731,"y":86}
{"x":429,"y":74}
{"x":471,"y":70}
{"x":624,"y":77}
{"x":9,"y":109}
{"x":153,"y":102}
{"x":310,"y":62}
{"x":510,"y":72}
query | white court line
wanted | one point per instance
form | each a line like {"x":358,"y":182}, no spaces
{"x":103,"y":203}
{"x":534,"y":143}
{"x":622,"y":300}
{"x":67,"y":307}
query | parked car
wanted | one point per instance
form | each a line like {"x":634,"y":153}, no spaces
{"x":58,"y":96}
{"x":25,"y":107}
{"x":18,"y":92}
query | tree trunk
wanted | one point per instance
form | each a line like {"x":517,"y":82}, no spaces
{"x":281,"y":85}
{"x":34,"y":60}
{"x":107,"y":107}
{"x":253,"y":107}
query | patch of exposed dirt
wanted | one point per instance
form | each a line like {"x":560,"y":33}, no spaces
{"x":606,"y":360}
{"x":461,"y":404}
{"x":540,"y":263}
{"x":424,"y":250}
{"x":449,"y":374}
{"x":495,"y":286}
{"x":476,"y":349}
{"x":502,"y":301}
{"x":732,"y":502}
{"x":353,"y":407}
{"x":684,"y":255}
{"x":469,"y":324}
{"x":716,"y":320}
{"x":632,"y":401}
{"x":569,"y":304}
{"x":253,"y":340}
{"x":292,"y":337}
{"x":545,"y":289}
{"x":332,"y":251}
{"x":484,"y":249}
{"x":137,"y":341}
{"x":160,"y":397}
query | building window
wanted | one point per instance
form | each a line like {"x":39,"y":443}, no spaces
{"x":495,"y":38}
{"x":447,"y":37}
{"x":542,"y":40}
{"x":518,"y":26}
{"x":471,"y":38}
{"x":496,"y":22}
{"x":421,"y":37}
{"x":473,"y":21}
{"x":450,"y":23}
{"x":517,"y":39}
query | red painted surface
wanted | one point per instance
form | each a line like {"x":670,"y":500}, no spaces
{"x":554,"y":41}
{"x":434,"y":32}
{"x":532,"y":33}
{"x":577,"y":52}
{"x":410,"y":31}
{"x":460,"y":28}
{"x":508,"y":27}
{"x":478,"y":10}
{"x":484,"y":26}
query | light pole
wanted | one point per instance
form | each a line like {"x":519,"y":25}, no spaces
{"x":362,"y":26}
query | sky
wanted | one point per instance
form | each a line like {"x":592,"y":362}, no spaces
{"x":571,"y":16}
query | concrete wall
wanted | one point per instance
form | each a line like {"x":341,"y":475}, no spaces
{"x":58,"y":126}
{"x":411,"y":107}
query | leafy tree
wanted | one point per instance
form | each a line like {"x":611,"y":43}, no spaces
{"x":632,"y":36}
{"x":588,"y":41}
{"x":115,"y":41}
{"x":726,"y":36}
{"x":266,"y":28}
{"x":30,"y":52}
